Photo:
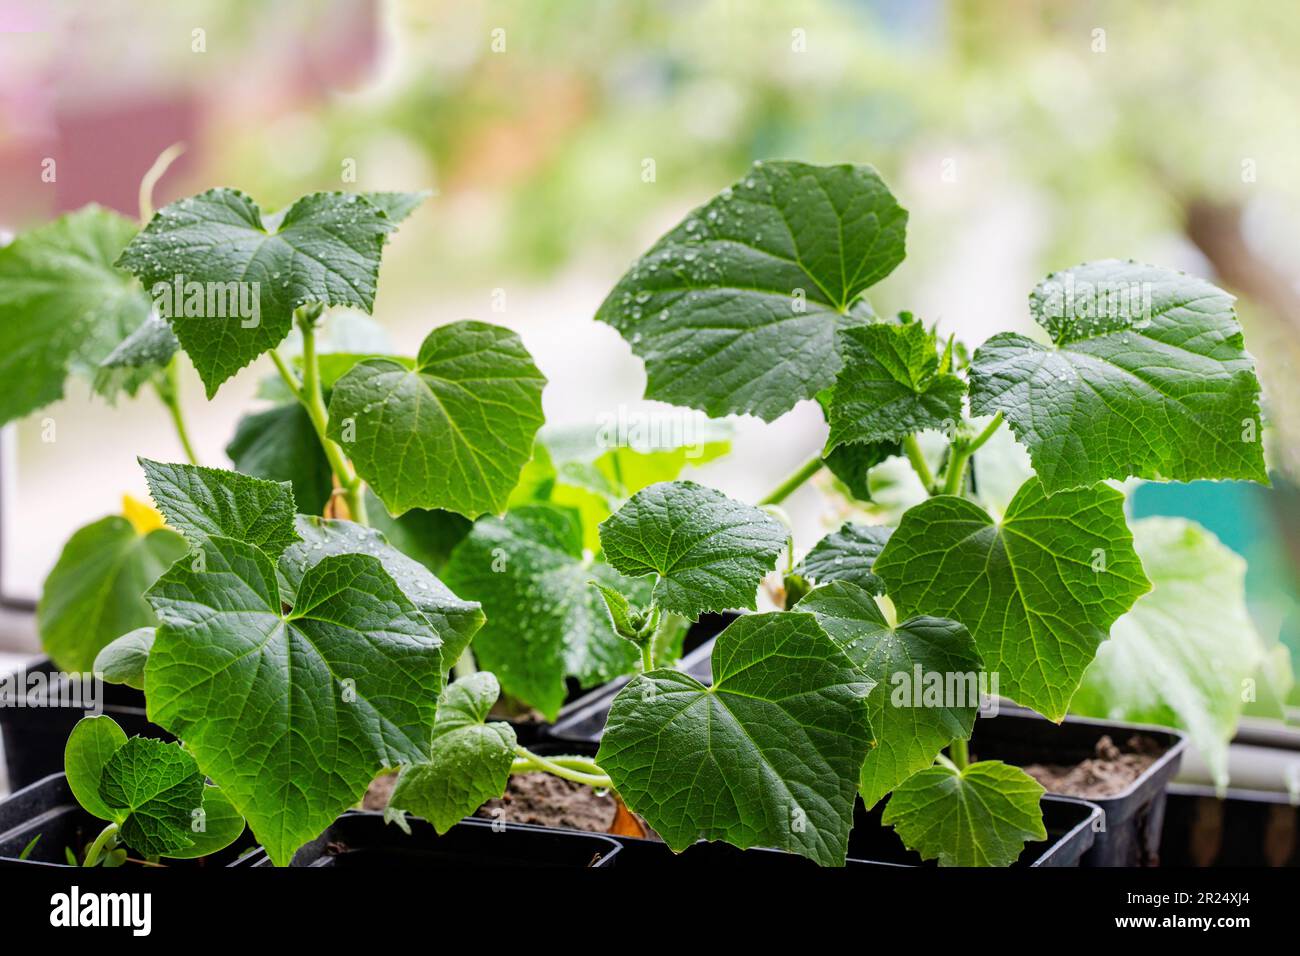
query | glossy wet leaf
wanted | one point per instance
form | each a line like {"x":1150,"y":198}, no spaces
{"x":709,"y":551}
{"x":326,"y":691}
{"x":736,"y":309}
{"x":63,"y":305}
{"x":136,"y":358}
{"x":454,"y":432}
{"x":912,"y":720}
{"x":767,"y":756}
{"x":848,"y":555}
{"x":1038,"y":591}
{"x":453,"y":619}
{"x":95,"y":593}
{"x":325,"y":248}
{"x":470,"y":759}
{"x":544,"y":621}
{"x":981,"y":816}
{"x":1146,"y":374}
{"x":203,"y":502}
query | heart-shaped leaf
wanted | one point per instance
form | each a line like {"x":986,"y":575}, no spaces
{"x":325,"y":693}
{"x":95,"y":592}
{"x":708,"y":551}
{"x":767,"y":756}
{"x":1038,"y":591}
{"x":1146,"y":375}
{"x":154,"y":789}
{"x":453,"y":432}
{"x":736,"y":309}
{"x":980,"y":816}
{"x":470,"y":759}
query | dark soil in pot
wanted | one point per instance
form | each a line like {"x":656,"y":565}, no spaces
{"x":1122,"y":768}
{"x":47,"y":808}
{"x":34,"y":735}
{"x":1242,"y":828}
{"x":361,"y":840}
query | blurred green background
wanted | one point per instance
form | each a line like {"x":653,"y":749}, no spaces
{"x":1022,"y":135}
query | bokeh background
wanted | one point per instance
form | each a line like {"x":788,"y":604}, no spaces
{"x":1022,"y":135}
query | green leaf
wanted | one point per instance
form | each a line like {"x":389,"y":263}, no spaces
{"x":203,"y":502}
{"x":852,"y":462}
{"x":453,"y":432}
{"x":911,"y":726}
{"x":280,"y":444}
{"x":427,"y":536}
{"x":95,"y":592}
{"x":155,"y":788}
{"x":122,"y":661}
{"x":624,"y":618}
{"x":1182,"y":655}
{"x":91,"y":744}
{"x":767,"y":756}
{"x":142,"y":353}
{"x":324,"y":249}
{"x":470,"y":760}
{"x":1146,"y":375}
{"x":62,"y":304}
{"x":398,"y":205}
{"x":454,"y":621}
{"x":544,"y":621}
{"x":890,"y":385}
{"x":1038,"y":591}
{"x":980,"y":816}
{"x":709,"y":551}
{"x":221,"y":825}
{"x":848,"y":555}
{"x":736,"y":309}
{"x":324,"y":693}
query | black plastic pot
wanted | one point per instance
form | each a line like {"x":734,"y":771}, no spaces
{"x":49,"y":809}
{"x":34,"y":735}
{"x":1130,"y":826}
{"x":361,"y":839}
{"x":1071,"y":825}
{"x":584,"y":719}
{"x":1243,"y":828}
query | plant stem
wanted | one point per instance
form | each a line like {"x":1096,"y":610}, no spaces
{"x":914,"y":455}
{"x":150,"y":179}
{"x":784,"y":490}
{"x":959,"y":753}
{"x":169,"y":392}
{"x":960,"y":454}
{"x":107,"y":836}
{"x":563,"y":767}
{"x":465,"y":664}
{"x":312,"y":397}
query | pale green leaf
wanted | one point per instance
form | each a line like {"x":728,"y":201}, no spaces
{"x":90,"y":745}
{"x":454,"y":432}
{"x":95,"y":593}
{"x":122,"y":661}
